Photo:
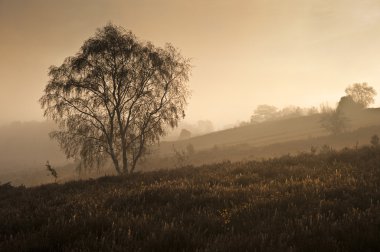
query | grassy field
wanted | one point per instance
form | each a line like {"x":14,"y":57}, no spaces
{"x":271,"y":132}
{"x":328,"y":201}
{"x":247,"y":152}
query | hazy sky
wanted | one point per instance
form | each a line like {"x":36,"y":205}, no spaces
{"x":245,"y":52}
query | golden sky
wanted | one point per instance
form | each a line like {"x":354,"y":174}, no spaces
{"x":244,"y":52}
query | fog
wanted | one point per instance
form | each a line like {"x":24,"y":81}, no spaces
{"x":291,"y":55}
{"x":178,"y":125}
{"x":244,"y":53}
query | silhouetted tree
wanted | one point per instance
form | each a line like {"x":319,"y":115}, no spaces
{"x":347,"y":105}
{"x":361,"y":93}
{"x":185,"y":134}
{"x":115,"y":97}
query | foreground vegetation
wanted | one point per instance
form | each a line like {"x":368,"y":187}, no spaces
{"x":311,"y":202}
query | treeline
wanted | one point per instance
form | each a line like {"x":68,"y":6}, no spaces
{"x":334,"y":119}
{"x":265,"y":112}
{"x":358,"y":97}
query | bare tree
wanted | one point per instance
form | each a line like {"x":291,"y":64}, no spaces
{"x":325,"y":108}
{"x":116,"y":97}
{"x":361,"y":93}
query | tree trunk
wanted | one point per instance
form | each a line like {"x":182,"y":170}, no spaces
{"x":125,"y":158}
{"x":117,"y":166}
{"x":123,"y":141}
{"x":132,"y":167}
{"x":116,"y":163}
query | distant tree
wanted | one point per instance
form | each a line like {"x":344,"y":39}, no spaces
{"x":263,"y":113}
{"x":335,"y":122}
{"x":312,"y":111}
{"x":375,"y":140}
{"x":115,"y":97}
{"x":181,"y":157}
{"x":190,"y":149}
{"x":185,"y":134}
{"x":325,"y":108}
{"x":361,"y":93}
{"x":289,"y":112}
{"x":268,"y":113}
{"x":347,"y":105}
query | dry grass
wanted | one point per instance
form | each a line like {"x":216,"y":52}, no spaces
{"x":324,"y":202}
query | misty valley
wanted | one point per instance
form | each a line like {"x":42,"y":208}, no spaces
{"x":26,"y":147}
{"x":283,"y":183}
{"x":136,"y":147}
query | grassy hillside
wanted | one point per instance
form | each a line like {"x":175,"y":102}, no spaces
{"x":25,"y":147}
{"x":37,"y":174}
{"x":246,"y":151}
{"x":312,"y":202}
{"x":270,"y":132}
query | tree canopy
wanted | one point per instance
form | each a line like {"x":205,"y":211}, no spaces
{"x":116,"y":97}
{"x":348,"y":106}
{"x":361,"y":93}
{"x":263,"y":113}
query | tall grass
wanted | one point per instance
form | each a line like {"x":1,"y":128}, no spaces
{"x":309,"y":202}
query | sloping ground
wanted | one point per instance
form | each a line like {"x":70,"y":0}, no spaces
{"x":256,"y":134}
{"x":326,"y":202}
{"x":354,"y":139}
{"x":365,"y":118}
{"x":25,"y":147}
{"x":38,"y":175}
{"x":268,"y":133}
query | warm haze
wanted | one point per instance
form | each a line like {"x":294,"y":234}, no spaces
{"x":255,"y":129}
{"x":244,"y":53}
